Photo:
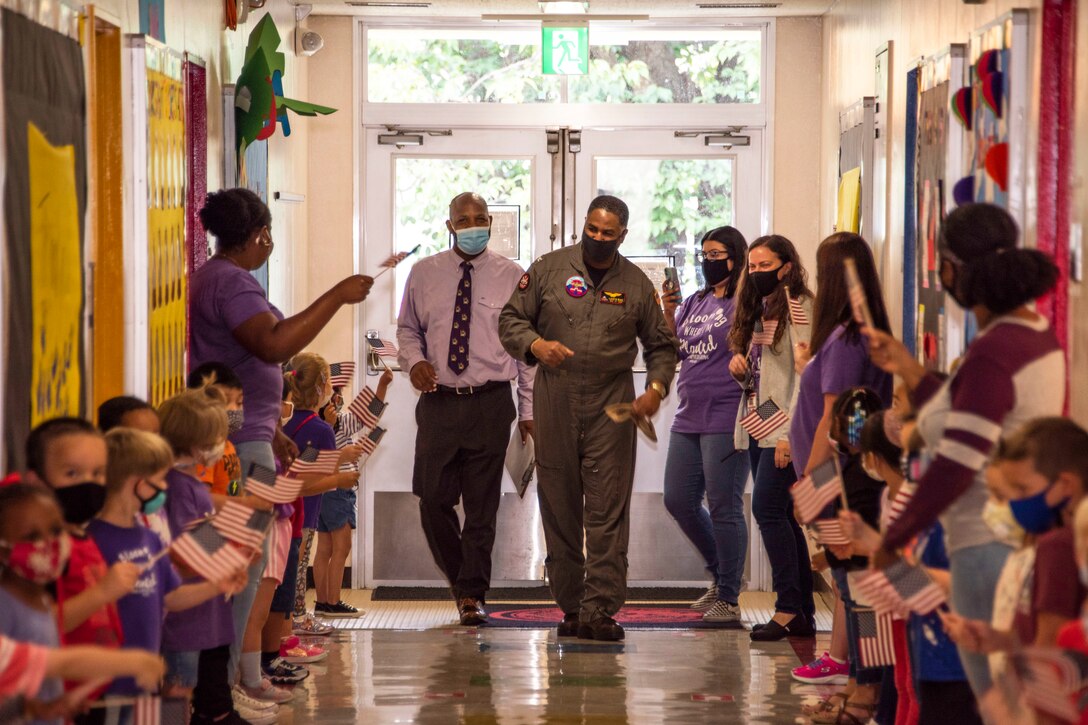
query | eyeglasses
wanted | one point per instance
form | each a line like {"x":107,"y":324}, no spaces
{"x":714,"y":255}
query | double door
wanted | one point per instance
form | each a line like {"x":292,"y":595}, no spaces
{"x":538,"y":183}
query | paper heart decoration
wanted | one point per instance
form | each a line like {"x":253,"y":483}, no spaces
{"x":961,"y":106}
{"x":993,"y":88}
{"x":963,"y":191}
{"x":997,"y":165}
{"x":986,"y":63}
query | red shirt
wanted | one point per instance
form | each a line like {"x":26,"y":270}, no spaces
{"x":1072,"y":636}
{"x":1054,"y":584}
{"x":85,"y":569}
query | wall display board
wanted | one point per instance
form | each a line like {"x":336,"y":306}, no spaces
{"x":940,"y":324}
{"x":856,"y":135}
{"x":196,"y":159}
{"x":45,"y":197}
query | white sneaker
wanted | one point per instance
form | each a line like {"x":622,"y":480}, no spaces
{"x":722,"y":612}
{"x":268,"y":692}
{"x":707,"y":600}
{"x":258,"y":717}
{"x":243,"y":699}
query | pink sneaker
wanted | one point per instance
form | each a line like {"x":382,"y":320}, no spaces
{"x":823,"y":671}
{"x":296,"y":652}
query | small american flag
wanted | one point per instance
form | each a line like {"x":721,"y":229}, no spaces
{"x":816,"y":490}
{"x":243,"y":525}
{"x":875,"y":645}
{"x":763,"y":332}
{"x":1051,"y":679}
{"x":312,"y":460}
{"x":382,"y":348}
{"x":874,"y":588}
{"x":763,"y":420}
{"x":367,"y":408}
{"x":147,"y":710}
{"x":399,"y":257}
{"x":899,"y":504}
{"x":341,"y":373}
{"x":264,"y":482}
{"x":913,"y":586}
{"x":830,"y":532}
{"x":208,"y":553}
{"x":798,"y":316}
{"x":370,"y":443}
{"x":858,"y":302}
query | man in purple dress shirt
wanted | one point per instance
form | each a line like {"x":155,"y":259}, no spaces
{"x":448,"y":333}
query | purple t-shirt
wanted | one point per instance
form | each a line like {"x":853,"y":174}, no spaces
{"x":221,"y":297}
{"x":141,"y":611}
{"x":708,"y":394}
{"x":840,"y":364}
{"x":316,"y":433}
{"x":206,"y":625}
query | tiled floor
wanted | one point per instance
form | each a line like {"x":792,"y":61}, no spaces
{"x":428,"y":670}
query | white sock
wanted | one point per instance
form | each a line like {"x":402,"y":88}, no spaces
{"x":836,"y":660}
{"x":251,"y":669}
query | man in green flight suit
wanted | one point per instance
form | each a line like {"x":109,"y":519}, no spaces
{"x":578,"y":311}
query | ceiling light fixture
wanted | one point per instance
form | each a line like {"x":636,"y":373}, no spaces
{"x":386,"y":4}
{"x":737,"y":6}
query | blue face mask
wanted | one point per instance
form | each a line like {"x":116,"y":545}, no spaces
{"x":1034,"y":514}
{"x":153,"y":504}
{"x":473,"y":240}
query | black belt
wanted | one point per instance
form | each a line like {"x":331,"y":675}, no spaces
{"x":473,"y":389}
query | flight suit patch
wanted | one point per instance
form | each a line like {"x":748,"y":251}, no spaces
{"x":523,"y":284}
{"x":576,"y":286}
{"x":613,"y":298}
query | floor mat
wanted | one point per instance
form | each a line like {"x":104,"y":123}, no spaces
{"x":529,"y":594}
{"x":632,"y":616}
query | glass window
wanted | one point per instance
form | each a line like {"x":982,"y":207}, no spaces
{"x":658,"y":66}
{"x":673,"y":202}
{"x":425,"y":186}
{"x":627,"y":65}
{"x":433,"y":65}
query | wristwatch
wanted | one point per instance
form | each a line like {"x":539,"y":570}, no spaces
{"x":658,"y":387}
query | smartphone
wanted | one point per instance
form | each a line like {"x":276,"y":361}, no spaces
{"x":672,"y":281}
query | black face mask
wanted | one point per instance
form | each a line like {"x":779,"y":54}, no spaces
{"x":596,"y":252}
{"x":715,"y":271}
{"x":81,"y":502}
{"x":765,"y":282}
{"x":953,"y":289}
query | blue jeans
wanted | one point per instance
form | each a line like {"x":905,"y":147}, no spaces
{"x":787,"y":548}
{"x":181,"y":667}
{"x":975,"y":571}
{"x":708,"y":463}
{"x":248,"y":452}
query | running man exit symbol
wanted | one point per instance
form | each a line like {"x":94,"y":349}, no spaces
{"x":565,"y":50}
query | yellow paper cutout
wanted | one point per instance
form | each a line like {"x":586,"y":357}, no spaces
{"x":848,"y":218}
{"x":56,"y":274}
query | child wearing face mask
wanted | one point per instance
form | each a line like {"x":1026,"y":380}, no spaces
{"x":196,"y":642}
{"x":138,"y":463}
{"x":225,"y":477}
{"x":68,"y":455}
{"x":34,"y":550}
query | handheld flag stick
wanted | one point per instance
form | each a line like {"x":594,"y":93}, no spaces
{"x":396,"y":259}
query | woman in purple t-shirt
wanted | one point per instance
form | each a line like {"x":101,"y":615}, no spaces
{"x":701,"y":454}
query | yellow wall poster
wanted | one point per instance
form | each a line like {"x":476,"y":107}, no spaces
{"x":56,"y":271}
{"x":167,"y":274}
{"x":848,"y":217}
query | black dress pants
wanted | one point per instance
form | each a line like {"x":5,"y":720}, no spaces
{"x":460,"y":453}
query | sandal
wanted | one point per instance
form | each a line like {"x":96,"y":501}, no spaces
{"x":849,"y":718}
{"x":826,"y":711}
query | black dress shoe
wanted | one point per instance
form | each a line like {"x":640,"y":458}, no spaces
{"x":603,"y":629}
{"x":472,"y":612}
{"x":569,"y":626}
{"x":772,"y":631}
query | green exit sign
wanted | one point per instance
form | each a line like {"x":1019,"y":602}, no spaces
{"x":565,"y":50}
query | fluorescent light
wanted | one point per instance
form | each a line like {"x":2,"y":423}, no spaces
{"x":562,"y":7}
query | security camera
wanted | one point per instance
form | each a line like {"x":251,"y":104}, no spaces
{"x":310,"y":43}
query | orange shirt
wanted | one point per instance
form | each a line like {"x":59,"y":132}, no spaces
{"x":225,"y":477}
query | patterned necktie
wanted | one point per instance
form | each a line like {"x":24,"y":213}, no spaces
{"x":462,"y":317}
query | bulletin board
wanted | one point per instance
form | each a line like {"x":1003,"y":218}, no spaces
{"x":44,"y":197}
{"x":854,"y":210}
{"x":167,"y":172}
{"x":939,"y":142}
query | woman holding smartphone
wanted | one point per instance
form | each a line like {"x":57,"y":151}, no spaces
{"x":701,"y":456}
